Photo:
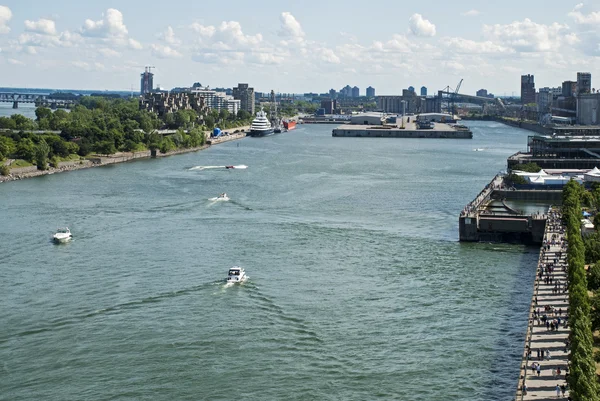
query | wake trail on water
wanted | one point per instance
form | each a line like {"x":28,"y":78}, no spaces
{"x":201,"y":168}
{"x":115,"y":309}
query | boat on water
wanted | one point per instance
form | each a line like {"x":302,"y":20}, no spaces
{"x":221,"y":198}
{"x":289,"y":124}
{"x":261,"y":126}
{"x":62,"y":235}
{"x":236,"y":275}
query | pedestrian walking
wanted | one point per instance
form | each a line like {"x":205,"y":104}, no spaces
{"x":539,"y":370}
{"x":557,"y":391}
{"x":563,"y":389}
{"x":553,"y":373}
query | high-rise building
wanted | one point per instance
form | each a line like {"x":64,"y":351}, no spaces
{"x":370,"y":91}
{"x":147,"y":81}
{"x":527,"y":89}
{"x":245,"y":95}
{"x":544,"y":100}
{"x":346,"y":91}
{"x":482,"y":93}
{"x":412,"y":89}
{"x":423,"y":91}
{"x":355,"y":92}
{"x":332,"y":93}
{"x":569,"y":88}
{"x":584,"y":83}
{"x":329,"y":105}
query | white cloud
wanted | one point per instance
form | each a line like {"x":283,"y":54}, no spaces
{"x":420,"y":26}
{"x":290,"y":27}
{"x":267,"y":58}
{"x":467,"y":46}
{"x":204,"y":31}
{"x":134,"y":44}
{"x":471,"y":13}
{"x":527,"y":36}
{"x":162,"y":51}
{"x":106,"y":52}
{"x":110,"y":29}
{"x":5,"y":17}
{"x":42,"y":26}
{"x":327,"y":55}
{"x":593,"y":18}
{"x":169,"y":37}
{"x":15,"y":62}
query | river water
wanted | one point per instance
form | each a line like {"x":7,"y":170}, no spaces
{"x":358,"y":287}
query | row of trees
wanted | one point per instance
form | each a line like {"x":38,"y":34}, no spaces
{"x":105,"y":126}
{"x":582,"y":374}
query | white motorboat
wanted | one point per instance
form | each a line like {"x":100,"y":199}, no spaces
{"x":62,"y":235}
{"x":221,"y":198}
{"x":236,"y":275}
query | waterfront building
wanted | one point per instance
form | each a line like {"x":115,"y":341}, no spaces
{"x":584,"y":83}
{"x":423,"y":91}
{"x":569,"y":88}
{"x":393,"y":104}
{"x":588,"y":109}
{"x":146,"y":81}
{"x":162,"y":103}
{"x":355,"y":92}
{"x":370,"y":91}
{"x":218,"y":100}
{"x":245,"y":95}
{"x":527,"y":89}
{"x":482,"y":93}
{"x":544,"y":100}
{"x":329,"y":105}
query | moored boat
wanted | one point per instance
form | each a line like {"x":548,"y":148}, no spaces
{"x":289,"y":124}
{"x":261,"y":126}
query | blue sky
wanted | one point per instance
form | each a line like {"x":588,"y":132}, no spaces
{"x":294,"y":46}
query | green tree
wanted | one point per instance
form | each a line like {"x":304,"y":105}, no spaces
{"x":593,"y":279}
{"x":26,"y":150}
{"x":528,"y":167}
{"x":42,"y":113}
{"x":8,"y":123}
{"x":7,"y":146}
{"x":166,"y":145}
{"x":41,"y":155}
{"x":106,"y":148}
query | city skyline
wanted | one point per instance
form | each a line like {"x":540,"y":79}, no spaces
{"x":93,"y":46}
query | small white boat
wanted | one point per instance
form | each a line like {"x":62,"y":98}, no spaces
{"x":62,"y":235}
{"x":221,"y":198}
{"x":236,"y":275}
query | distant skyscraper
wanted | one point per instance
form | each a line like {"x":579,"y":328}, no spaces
{"x":346,"y":91}
{"x":355,"y":92}
{"x":527,"y":89}
{"x":332,"y":93}
{"x":584,"y":82}
{"x":423,"y":91}
{"x":147,"y":81}
{"x":370,"y":91}
{"x":412,"y":89}
{"x":246,"y":97}
{"x":482,"y":93}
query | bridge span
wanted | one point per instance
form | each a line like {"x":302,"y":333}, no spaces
{"x":44,"y":100}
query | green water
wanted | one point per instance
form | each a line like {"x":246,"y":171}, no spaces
{"x":358,"y":287}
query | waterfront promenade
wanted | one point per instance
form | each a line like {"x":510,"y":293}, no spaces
{"x":547,"y":331}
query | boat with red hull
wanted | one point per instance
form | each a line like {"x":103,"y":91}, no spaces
{"x":289,"y":125}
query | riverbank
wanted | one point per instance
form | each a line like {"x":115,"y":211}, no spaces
{"x":120,"y":157}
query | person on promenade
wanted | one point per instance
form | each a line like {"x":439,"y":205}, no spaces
{"x":563,"y":389}
{"x":557,"y":391}
{"x":538,"y":368}
{"x":553,"y":373}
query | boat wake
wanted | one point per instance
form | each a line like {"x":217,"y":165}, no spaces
{"x":201,"y":168}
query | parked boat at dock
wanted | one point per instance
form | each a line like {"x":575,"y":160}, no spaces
{"x":261,"y":126}
{"x":289,"y":124}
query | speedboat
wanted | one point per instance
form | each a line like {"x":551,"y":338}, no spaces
{"x":236,"y":275}
{"x":62,"y":235}
{"x":221,"y":198}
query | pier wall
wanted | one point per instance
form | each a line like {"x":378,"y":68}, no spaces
{"x":400,"y":133}
{"x":534,"y":195}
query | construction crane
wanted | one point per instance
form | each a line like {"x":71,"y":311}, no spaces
{"x":149,"y":68}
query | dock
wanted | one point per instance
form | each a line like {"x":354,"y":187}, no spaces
{"x":551,"y":306}
{"x":480,"y":221}
{"x":410,"y":130}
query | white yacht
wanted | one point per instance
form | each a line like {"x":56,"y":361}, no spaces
{"x":236,"y":275}
{"x":62,"y":235}
{"x":261,"y":126}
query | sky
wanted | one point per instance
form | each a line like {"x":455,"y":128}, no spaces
{"x":298,"y":46}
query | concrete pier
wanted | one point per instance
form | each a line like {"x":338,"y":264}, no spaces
{"x":538,"y":336}
{"x":478,"y":223}
{"x":410,"y":130}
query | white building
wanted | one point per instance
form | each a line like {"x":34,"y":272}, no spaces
{"x":218,"y":100}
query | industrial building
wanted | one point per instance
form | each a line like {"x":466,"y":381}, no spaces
{"x":588,"y":109}
{"x":245,"y":95}
{"x":368,"y":119}
{"x":527,"y":89}
{"x":482,"y":93}
{"x":584,"y":83}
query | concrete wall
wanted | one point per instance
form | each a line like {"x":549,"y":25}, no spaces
{"x":397,"y":133}
{"x":588,"y":109}
{"x":551,"y":196}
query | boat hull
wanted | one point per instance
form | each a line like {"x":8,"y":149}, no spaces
{"x":61,"y":240}
{"x":289,"y":125}
{"x":259,"y":133}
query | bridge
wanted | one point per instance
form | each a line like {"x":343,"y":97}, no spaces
{"x":44,"y":100}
